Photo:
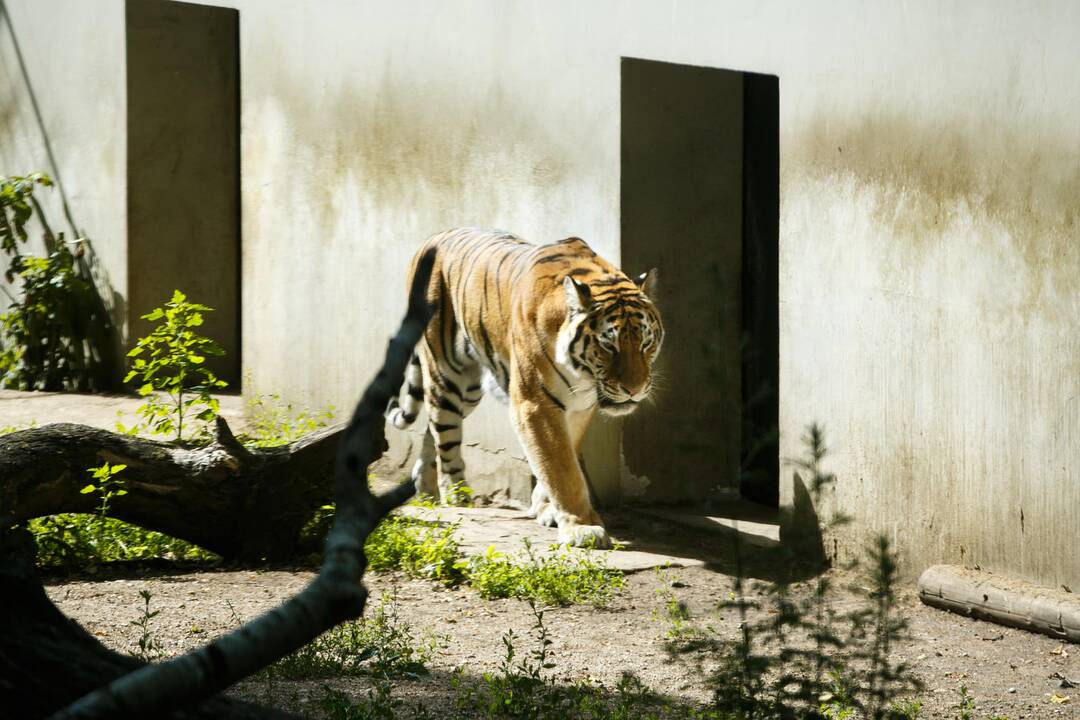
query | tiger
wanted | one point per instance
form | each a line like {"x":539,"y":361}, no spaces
{"x":556,"y":332}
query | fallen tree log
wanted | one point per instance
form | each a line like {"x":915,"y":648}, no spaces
{"x":241,"y":503}
{"x":39,"y":646}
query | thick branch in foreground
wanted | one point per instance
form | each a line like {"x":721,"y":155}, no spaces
{"x":336,"y":595}
{"x":239,"y":503}
{"x":48,"y":661}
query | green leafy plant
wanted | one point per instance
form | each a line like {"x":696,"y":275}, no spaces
{"x":875,"y":628}
{"x":524,"y":687}
{"x":910,"y":710}
{"x":171,"y":360}
{"x":459,"y":494}
{"x":561,"y":577}
{"x":107,"y":486}
{"x":16,"y":208}
{"x":44,"y":335}
{"x":836,"y":703}
{"x":5,"y":429}
{"x":147,"y":648}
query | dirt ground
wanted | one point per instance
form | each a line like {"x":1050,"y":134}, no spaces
{"x":1009,"y":672}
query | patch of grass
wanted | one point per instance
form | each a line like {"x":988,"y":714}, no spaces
{"x":379,"y":644}
{"x":419,"y":548}
{"x":77,"y":539}
{"x":562,"y":577}
{"x":379,"y":705}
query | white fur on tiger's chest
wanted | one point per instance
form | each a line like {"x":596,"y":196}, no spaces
{"x":580,"y":396}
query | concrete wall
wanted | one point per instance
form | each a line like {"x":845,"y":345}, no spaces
{"x":929,"y":248}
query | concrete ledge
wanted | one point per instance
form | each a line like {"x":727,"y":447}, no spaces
{"x":760,"y":534}
{"x":1002,"y":600}
{"x":505,"y":529}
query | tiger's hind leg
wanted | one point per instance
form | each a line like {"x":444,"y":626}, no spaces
{"x":452,"y":395}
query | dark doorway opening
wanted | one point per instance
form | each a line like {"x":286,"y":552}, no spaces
{"x":700,"y":201}
{"x":183,"y":128}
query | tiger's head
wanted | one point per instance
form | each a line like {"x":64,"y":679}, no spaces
{"x":611,"y":336}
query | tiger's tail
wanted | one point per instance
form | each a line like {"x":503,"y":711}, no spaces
{"x":402,"y":415}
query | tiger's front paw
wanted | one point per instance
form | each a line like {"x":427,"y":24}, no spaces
{"x":590,"y":536}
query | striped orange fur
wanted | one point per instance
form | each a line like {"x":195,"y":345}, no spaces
{"x":554,"y":330}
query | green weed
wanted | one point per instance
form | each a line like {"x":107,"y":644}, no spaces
{"x":675,"y":613}
{"x":419,"y":548}
{"x":379,"y":705}
{"x":524,"y":687}
{"x":148,"y":648}
{"x":78,"y":539}
{"x":107,"y":487}
{"x":5,"y":429}
{"x":562,"y":577}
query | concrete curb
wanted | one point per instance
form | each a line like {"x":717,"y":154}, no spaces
{"x":999,"y":599}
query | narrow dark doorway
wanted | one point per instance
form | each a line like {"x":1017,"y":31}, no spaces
{"x":700,"y":201}
{"x":184,"y":166}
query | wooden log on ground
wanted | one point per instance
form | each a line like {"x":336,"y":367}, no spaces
{"x":240,"y":503}
{"x":1003,"y":600}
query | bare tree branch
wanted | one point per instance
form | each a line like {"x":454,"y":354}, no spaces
{"x":336,"y":595}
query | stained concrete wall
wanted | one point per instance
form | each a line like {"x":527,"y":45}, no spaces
{"x":929,"y":249}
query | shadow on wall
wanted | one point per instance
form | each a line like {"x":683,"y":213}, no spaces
{"x":800,"y":554}
{"x":94,"y":316}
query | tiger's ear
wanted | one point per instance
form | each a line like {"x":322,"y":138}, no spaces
{"x":578,"y":295}
{"x":647,"y":281}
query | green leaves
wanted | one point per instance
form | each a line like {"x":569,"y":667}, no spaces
{"x":44,"y":335}
{"x":171,"y":361}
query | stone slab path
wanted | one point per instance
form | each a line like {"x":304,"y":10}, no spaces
{"x":27,"y":409}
